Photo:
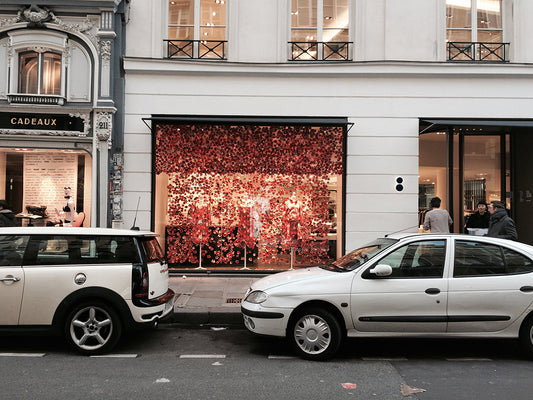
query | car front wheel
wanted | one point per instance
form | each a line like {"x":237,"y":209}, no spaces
{"x":316,"y":334}
{"x":93,"y":328}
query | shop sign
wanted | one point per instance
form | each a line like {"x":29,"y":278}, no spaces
{"x":56,"y":122}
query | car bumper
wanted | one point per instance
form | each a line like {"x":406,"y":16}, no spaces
{"x":265,"y":321}
{"x":160,"y":308}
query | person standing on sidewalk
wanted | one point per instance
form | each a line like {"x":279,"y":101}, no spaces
{"x":500,"y":224}
{"x":437,"y":220}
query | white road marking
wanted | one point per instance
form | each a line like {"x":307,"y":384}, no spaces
{"x":22,"y":354}
{"x":276,"y":357}
{"x":116,"y":356}
{"x":202,"y":356}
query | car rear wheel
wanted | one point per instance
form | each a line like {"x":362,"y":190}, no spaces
{"x":526,"y":335}
{"x":316,"y":334}
{"x":93,"y":328}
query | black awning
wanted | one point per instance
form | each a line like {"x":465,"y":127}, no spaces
{"x":480,"y":122}
{"x":249,"y":120}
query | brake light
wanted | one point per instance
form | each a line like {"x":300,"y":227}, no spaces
{"x":140,"y":281}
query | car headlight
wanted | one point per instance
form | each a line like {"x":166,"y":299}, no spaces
{"x":256,"y":297}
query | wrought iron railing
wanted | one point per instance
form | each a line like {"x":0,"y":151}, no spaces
{"x":478,"y":51}
{"x":320,"y":51}
{"x":212,"y":49}
{"x":22,"y":98}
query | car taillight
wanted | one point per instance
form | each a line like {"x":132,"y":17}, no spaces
{"x":140,"y":281}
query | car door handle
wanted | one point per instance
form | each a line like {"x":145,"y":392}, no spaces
{"x":12,"y":279}
{"x":433,"y":290}
{"x":526,"y":289}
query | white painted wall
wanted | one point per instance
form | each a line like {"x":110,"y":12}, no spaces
{"x":383,"y":98}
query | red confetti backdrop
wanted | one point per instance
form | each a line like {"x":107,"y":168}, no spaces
{"x":229,"y":188}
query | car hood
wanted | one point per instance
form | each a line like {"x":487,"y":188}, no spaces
{"x":298,"y":276}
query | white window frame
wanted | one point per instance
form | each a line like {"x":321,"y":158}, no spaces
{"x":196,"y":25}
{"x":474,"y":29}
{"x":320,"y":28}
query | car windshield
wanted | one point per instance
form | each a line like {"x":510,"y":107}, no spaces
{"x":354,"y":259}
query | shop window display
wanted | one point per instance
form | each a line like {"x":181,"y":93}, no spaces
{"x":259,"y":197}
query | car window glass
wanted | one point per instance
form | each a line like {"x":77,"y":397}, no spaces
{"x":63,"y":249}
{"x":477,"y":258}
{"x":152,"y":250}
{"x":516,"y":263}
{"x":422,"y":259}
{"x":12,"y":249}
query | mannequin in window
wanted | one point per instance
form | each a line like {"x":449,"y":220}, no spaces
{"x":200,"y":215}
{"x":69,"y":208}
{"x":292,"y":219}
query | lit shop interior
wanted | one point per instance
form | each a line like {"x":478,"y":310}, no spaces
{"x":33,"y":183}
{"x":462,"y":166}
{"x":248,"y":197}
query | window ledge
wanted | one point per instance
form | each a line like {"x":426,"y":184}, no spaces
{"x":36,"y":99}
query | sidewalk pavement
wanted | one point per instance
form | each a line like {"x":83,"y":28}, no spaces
{"x":209,"y":299}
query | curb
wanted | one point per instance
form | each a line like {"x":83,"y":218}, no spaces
{"x":188,"y":318}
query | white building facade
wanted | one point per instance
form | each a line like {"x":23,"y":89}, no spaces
{"x":402,"y":101}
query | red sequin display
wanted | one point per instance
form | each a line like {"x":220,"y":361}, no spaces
{"x":236,"y":187}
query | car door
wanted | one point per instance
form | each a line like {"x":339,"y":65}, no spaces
{"x":412,"y":299}
{"x":492,"y":285}
{"x":11,"y":278}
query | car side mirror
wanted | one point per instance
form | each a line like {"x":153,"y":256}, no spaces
{"x":381,"y":270}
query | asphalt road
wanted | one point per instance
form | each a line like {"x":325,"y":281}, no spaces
{"x":217,"y":363}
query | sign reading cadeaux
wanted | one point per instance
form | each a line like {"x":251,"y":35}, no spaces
{"x":55,"y":122}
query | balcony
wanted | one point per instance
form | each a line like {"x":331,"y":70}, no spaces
{"x":196,"y":49}
{"x":478,"y":52}
{"x":23,"y":98}
{"x":320,"y":51}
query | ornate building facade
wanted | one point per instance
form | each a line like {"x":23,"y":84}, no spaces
{"x":61,"y":101}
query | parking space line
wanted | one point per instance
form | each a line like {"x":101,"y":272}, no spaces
{"x":116,"y":356}
{"x":202,"y":356}
{"x":277,"y":357}
{"x":22,"y":354}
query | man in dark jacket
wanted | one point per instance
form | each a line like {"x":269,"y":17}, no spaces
{"x":501,"y":225}
{"x":480,"y":219}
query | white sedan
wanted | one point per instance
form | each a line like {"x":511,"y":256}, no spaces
{"x":424,"y":285}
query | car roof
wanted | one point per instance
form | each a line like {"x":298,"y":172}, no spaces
{"x":60,"y":230}
{"x":416,"y":235}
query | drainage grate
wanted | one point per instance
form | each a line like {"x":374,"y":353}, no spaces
{"x":233,"y":300}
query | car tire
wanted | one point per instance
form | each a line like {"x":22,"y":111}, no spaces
{"x":315,"y":334}
{"x":93,"y":328}
{"x":526,"y":335}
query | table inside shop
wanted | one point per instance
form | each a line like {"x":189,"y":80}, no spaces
{"x":31,"y":218}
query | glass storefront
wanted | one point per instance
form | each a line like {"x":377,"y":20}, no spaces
{"x":246,"y":196}
{"x":463,"y":166}
{"x":33,"y":183}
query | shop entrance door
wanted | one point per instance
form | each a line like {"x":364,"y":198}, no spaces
{"x":482,"y":172}
{"x":522,"y":143}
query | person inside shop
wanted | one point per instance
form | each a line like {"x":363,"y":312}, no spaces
{"x":437,"y":220}
{"x":479,"y":219}
{"x":500,"y":224}
{"x":7,"y":217}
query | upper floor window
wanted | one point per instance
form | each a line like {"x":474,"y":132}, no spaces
{"x":197,"y":28}
{"x":320,"y":30}
{"x":474,"y":30}
{"x":39,"y":73}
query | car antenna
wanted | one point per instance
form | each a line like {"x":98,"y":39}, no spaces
{"x":136,"y":228}
{"x":401,"y":230}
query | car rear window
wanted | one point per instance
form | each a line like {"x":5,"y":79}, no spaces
{"x":151,"y":249}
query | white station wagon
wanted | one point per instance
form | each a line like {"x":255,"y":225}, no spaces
{"x":426,"y":285}
{"x":89,"y":284}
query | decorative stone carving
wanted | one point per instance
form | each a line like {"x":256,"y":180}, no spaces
{"x":103,"y":126}
{"x":105,"y":51}
{"x":36,"y":16}
{"x":86,"y":117}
